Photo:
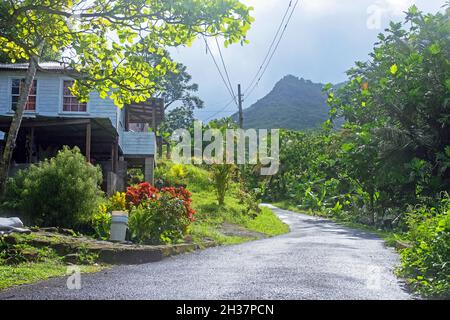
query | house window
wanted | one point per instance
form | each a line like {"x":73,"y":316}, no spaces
{"x":70,"y":102}
{"x":16,"y":87}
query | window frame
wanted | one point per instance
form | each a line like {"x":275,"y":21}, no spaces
{"x":62,"y":96}
{"x":10,"y":94}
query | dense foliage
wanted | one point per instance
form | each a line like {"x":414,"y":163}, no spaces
{"x":159,"y":215}
{"x":162,"y":220}
{"x":391,"y":159}
{"x":101,"y":219}
{"x":426,"y":262}
{"x":155,"y":215}
{"x":142,"y":192}
{"x":63,"y":191}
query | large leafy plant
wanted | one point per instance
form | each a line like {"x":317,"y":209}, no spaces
{"x":63,"y":191}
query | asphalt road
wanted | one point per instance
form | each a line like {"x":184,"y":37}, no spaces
{"x":318,"y":259}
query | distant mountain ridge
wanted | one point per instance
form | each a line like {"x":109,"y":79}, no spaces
{"x":294,"y":103}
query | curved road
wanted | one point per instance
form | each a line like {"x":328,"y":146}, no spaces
{"x":318,"y":259}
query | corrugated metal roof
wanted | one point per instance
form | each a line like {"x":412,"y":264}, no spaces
{"x":24,"y":66}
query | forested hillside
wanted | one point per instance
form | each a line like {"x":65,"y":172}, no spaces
{"x":293,"y":103}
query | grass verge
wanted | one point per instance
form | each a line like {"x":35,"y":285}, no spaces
{"x":30,"y":272}
{"x":22,"y":261}
{"x":268,"y":223}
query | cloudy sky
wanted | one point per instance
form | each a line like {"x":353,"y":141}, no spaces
{"x":322,"y":41}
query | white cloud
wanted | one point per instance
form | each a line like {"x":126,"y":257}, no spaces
{"x":320,"y":7}
{"x":397,"y":7}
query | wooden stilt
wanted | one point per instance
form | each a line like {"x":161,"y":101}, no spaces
{"x":88,"y":142}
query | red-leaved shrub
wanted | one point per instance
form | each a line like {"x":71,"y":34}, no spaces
{"x":159,"y":215}
{"x":141,"y":192}
{"x":183,"y":195}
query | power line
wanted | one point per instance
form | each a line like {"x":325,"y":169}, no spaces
{"x":273,"y":52}
{"x":214,"y":111}
{"x":220,"y":71}
{"x":225,"y":68}
{"x":270,"y":47}
{"x":221,"y":110}
{"x":268,"y":58}
{"x":227,"y":85}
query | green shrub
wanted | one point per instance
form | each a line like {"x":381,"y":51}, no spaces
{"x":427,"y":263}
{"x":250,"y":202}
{"x":63,"y":191}
{"x":101,"y":223}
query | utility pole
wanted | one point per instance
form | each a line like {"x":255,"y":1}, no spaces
{"x":241,"y":115}
{"x":241,"y":135}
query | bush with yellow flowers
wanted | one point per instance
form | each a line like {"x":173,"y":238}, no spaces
{"x":101,"y":219}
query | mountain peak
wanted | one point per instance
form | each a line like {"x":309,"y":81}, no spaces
{"x":290,"y":77}
{"x":294,"y":103}
{"x":292,"y":82}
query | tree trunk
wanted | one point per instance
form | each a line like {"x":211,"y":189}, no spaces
{"x":15,"y":123}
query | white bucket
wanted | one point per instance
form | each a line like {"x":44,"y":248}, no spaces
{"x":119,"y":225}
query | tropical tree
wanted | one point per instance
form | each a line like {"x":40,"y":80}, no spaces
{"x":176,"y":85}
{"x":175,"y":88}
{"x":178,"y":118}
{"x":100,"y":41}
{"x":397,"y":106}
{"x":47,"y":55}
